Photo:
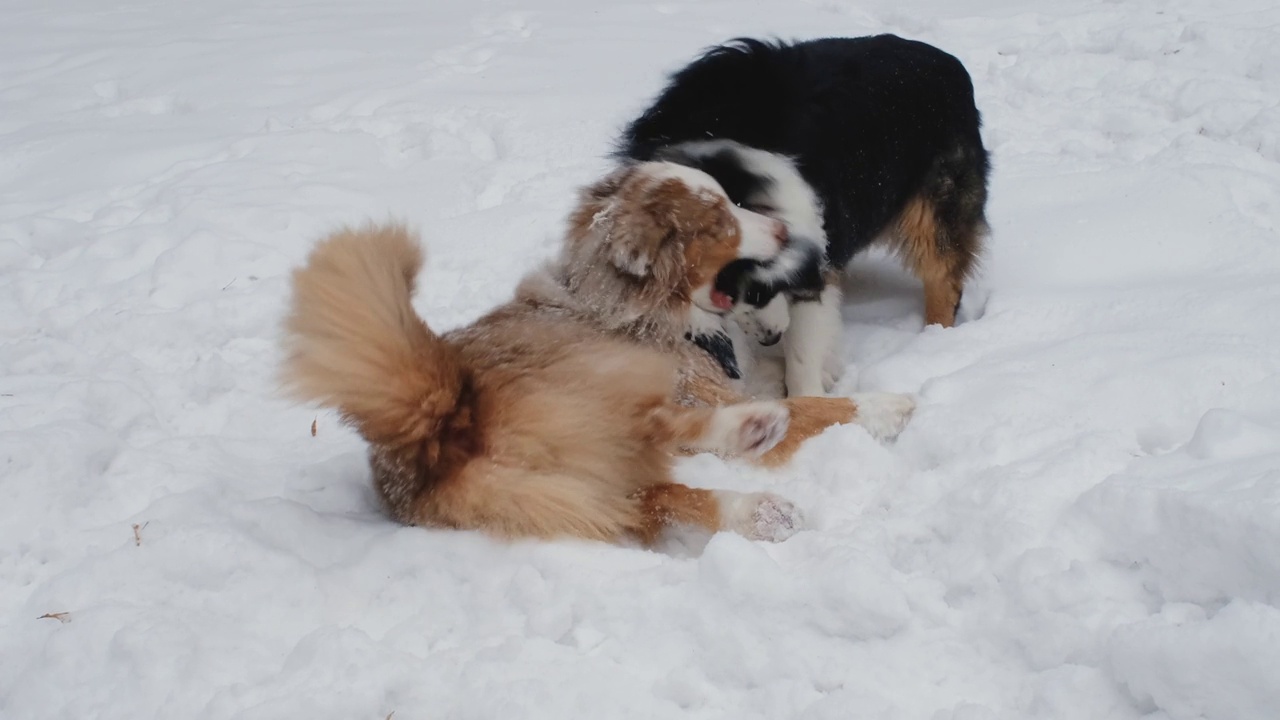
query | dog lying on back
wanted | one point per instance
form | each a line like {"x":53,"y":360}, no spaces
{"x":594,"y":278}
{"x":849,"y":141}
{"x":554,"y":414}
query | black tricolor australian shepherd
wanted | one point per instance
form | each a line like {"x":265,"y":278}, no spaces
{"x":848,"y":141}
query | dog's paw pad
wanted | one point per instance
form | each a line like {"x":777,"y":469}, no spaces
{"x":773,"y":519}
{"x":884,"y":415}
{"x":762,"y":426}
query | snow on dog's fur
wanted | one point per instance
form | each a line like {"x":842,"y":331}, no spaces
{"x":561,"y":411}
{"x":523,"y":424}
{"x":674,"y":301}
{"x":550,"y":416}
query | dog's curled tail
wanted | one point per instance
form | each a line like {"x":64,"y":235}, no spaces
{"x":354,"y":343}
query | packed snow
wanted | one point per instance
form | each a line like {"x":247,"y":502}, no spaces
{"x":1082,"y":521}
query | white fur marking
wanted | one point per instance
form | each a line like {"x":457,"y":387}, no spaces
{"x":703,"y":322}
{"x":693,"y":178}
{"x":788,"y":263}
{"x":759,"y":234}
{"x":884,"y":415}
{"x":767,"y":322}
{"x":759,"y":516}
{"x":792,"y":197}
{"x":815,"y":330}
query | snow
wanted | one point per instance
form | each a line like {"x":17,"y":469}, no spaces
{"x":1081,"y":521}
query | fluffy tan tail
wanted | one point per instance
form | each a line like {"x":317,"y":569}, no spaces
{"x":354,"y":342}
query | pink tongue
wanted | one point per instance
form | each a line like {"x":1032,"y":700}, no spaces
{"x":720,"y":300}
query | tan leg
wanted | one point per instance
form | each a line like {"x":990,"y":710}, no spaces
{"x":675,"y":504}
{"x":745,"y":428}
{"x":940,"y":260}
{"x":884,"y":415}
{"x":809,"y":417}
{"x":941,"y":300}
{"x":757,"y":516}
{"x":750,"y":429}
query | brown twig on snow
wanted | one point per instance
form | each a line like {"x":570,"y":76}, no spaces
{"x":62,"y":617}
{"x":313,"y":434}
{"x":137,"y":533}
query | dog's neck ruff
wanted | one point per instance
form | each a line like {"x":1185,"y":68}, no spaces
{"x":555,"y":286}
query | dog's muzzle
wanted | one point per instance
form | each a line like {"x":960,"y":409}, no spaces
{"x":769,"y":339}
{"x":735,"y":281}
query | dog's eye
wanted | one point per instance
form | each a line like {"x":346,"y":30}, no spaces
{"x":756,"y":207}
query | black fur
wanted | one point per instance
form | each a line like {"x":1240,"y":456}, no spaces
{"x":871,"y":122}
{"x":739,"y":279}
{"x":720,"y":347}
{"x":744,"y":188}
{"x":732,"y":280}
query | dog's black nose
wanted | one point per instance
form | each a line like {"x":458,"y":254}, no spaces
{"x":771,"y":339}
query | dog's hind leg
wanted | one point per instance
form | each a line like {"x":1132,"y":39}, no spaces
{"x":928,"y":250}
{"x":939,"y":232}
{"x":750,"y":428}
{"x":757,"y":516}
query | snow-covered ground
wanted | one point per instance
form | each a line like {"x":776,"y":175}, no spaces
{"x":1083,"y":521}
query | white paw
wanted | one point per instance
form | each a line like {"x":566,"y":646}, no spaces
{"x":702,"y":322}
{"x":756,"y":426}
{"x":884,"y":415}
{"x":760,"y":516}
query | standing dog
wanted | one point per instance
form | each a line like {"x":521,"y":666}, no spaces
{"x":848,"y":140}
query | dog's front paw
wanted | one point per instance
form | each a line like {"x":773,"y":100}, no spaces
{"x":760,"y":516}
{"x":775,"y":519}
{"x":759,"y":426}
{"x":884,"y":415}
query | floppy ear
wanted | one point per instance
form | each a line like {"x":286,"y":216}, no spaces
{"x":627,"y":227}
{"x":634,"y":238}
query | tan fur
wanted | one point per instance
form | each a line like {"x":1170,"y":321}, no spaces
{"x":556,"y":414}
{"x":810,"y":416}
{"x":941,"y":263}
{"x":354,"y":296}
{"x":620,"y":216}
{"x":531,"y":422}
{"x":663,"y":505}
{"x":636,"y":247}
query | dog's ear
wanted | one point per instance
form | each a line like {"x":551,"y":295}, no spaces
{"x":624,"y":223}
{"x":635,"y":239}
